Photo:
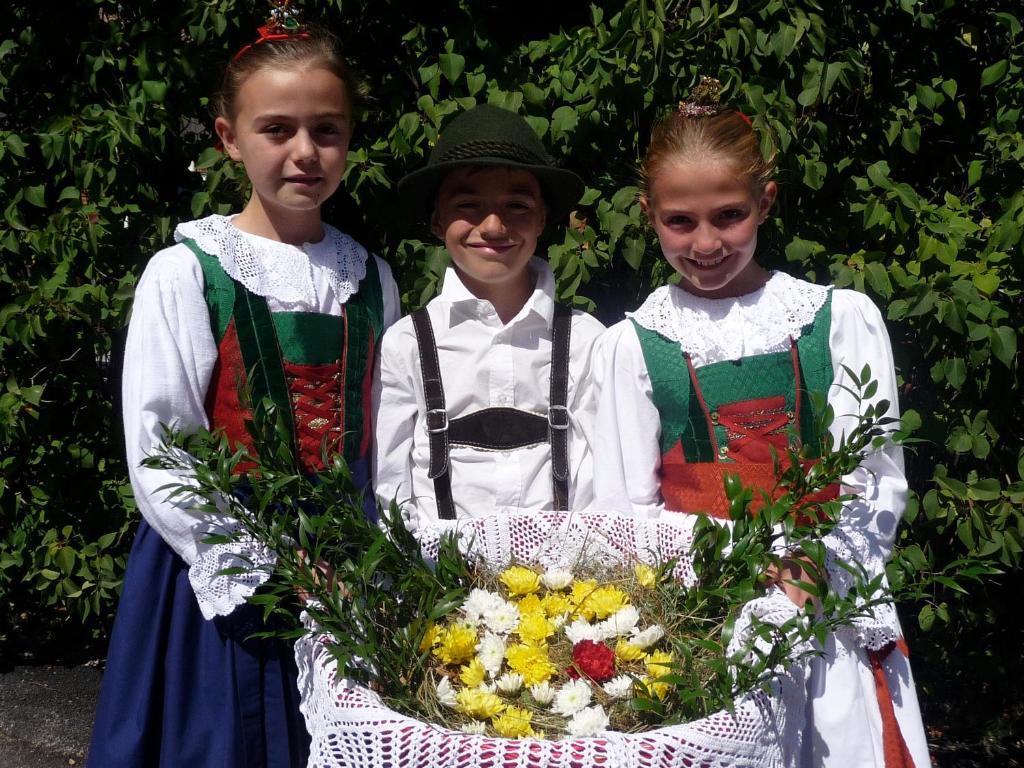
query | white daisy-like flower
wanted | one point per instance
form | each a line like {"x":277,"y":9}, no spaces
{"x":588,"y":722}
{"x":491,"y":652}
{"x":446,"y":694}
{"x":619,"y":687}
{"x":542,"y":693}
{"x":503,"y":618}
{"x":581,"y":629}
{"x":572,"y":697}
{"x":558,"y":621}
{"x":510,"y":683}
{"x":556,"y":578}
{"x":487,"y":688}
{"x":620,"y":623}
{"x":474,"y":726}
{"x":478,"y":603}
{"x":648,"y":637}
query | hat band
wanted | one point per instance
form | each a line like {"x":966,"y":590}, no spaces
{"x":474,"y":150}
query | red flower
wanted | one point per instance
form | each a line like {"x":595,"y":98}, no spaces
{"x":595,"y":660}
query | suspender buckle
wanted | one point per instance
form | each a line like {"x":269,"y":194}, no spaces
{"x":558,"y":417}
{"x":437,"y":420}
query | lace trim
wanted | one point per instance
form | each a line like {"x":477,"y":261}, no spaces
{"x":219,"y":594}
{"x":712,"y":330}
{"x":279,"y":270}
{"x":879,"y":625}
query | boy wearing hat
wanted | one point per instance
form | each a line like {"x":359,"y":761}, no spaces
{"x":483,"y":403}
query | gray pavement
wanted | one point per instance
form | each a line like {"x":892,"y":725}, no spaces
{"x":46,"y":715}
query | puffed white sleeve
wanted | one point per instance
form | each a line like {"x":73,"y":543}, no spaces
{"x":866,"y":531}
{"x":169,"y":357}
{"x":396,"y":412}
{"x":586,"y":330}
{"x":389,"y":291}
{"x":627,"y":428}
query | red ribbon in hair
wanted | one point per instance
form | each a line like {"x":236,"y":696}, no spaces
{"x":268,"y":32}
{"x":745,"y":118}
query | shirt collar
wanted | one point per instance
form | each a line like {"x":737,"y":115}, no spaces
{"x":541,"y":302}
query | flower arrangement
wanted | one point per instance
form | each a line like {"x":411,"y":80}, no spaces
{"x":544,"y":653}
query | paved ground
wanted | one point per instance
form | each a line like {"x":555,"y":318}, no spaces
{"x":46,"y":716}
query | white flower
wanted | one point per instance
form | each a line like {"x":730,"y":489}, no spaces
{"x":619,"y":687}
{"x":446,"y":694}
{"x":588,"y":722}
{"x":510,"y":683}
{"x":478,"y":603}
{"x":557,"y":578}
{"x":558,"y":621}
{"x":573,"y":697}
{"x":491,"y":652}
{"x":474,"y":726}
{"x":581,"y":629}
{"x":487,"y":688}
{"x":502,"y":618}
{"x":648,"y":637}
{"x":542,"y":693}
{"x":622,"y":622}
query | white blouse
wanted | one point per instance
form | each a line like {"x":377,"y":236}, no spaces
{"x":484,"y":363}
{"x":170,"y":353}
{"x":627,"y":454}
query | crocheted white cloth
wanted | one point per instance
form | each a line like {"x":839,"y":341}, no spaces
{"x":351,"y":727}
{"x":270,"y":268}
{"x":712,"y":330}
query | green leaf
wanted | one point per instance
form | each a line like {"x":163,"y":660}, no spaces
{"x":36,"y":195}
{"x":633,"y":249}
{"x":452,"y":65}
{"x":975,"y":169}
{"x":1004,"y":344}
{"x":563,"y":120}
{"x":994,"y":73}
{"x":15,"y":145}
{"x":155,"y":90}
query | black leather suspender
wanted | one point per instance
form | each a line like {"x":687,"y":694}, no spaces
{"x":498,"y":429}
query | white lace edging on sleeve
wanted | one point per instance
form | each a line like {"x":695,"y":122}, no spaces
{"x":218,"y":593}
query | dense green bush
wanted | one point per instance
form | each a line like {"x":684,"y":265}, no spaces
{"x":902,"y":170}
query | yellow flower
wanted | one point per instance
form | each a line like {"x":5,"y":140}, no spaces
{"x":532,"y":662}
{"x":604,"y":601}
{"x":430,"y":637}
{"x":626,"y":651}
{"x":473,"y":673}
{"x":530,"y":604}
{"x":458,"y":644}
{"x":580,"y":597}
{"x":659,"y":664}
{"x":655,"y":688}
{"x":646,"y":576}
{"x":556,"y":604}
{"x":520,"y":580}
{"x":534,"y":628}
{"x":513,"y":723}
{"x":478,"y":703}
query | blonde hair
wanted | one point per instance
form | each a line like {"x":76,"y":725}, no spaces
{"x":316,"y":48}
{"x":725,"y":136}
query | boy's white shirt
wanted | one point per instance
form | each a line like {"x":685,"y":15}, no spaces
{"x":484,"y":363}
{"x":170,"y":355}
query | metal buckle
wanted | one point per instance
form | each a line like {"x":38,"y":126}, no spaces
{"x":562,"y":420}
{"x":437,"y":420}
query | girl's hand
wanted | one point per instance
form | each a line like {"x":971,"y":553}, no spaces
{"x":323,"y":576}
{"x":798,"y":568}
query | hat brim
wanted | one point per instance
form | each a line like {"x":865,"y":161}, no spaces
{"x":562,"y":189}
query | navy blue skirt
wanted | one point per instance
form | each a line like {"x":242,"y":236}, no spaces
{"x":183,"y":691}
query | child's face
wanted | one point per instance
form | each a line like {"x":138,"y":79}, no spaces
{"x":490,"y":219}
{"x":291,"y":131}
{"x":706,"y":217}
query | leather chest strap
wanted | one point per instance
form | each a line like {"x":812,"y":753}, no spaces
{"x":558,"y":412}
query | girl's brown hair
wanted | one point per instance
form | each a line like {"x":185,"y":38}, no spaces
{"x":314,"y":48}
{"x":725,"y":135}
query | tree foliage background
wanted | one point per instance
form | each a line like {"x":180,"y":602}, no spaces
{"x":902,"y":174}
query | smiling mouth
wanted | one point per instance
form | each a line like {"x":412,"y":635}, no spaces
{"x":496,"y":247}
{"x":304,"y":179}
{"x":708,"y":263}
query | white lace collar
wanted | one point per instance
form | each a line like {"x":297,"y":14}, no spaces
{"x":712,"y":330}
{"x":273,"y":269}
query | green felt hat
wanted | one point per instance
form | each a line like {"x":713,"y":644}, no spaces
{"x":488,"y":135}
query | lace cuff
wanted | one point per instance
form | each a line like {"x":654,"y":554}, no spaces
{"x":218,"y":593}
{"x":878,"y":626}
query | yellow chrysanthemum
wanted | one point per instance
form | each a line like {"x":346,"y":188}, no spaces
{"x":458,"y":644}
{"x":430,"y":638}
{"x":654,"y":688}
{"x":473,"y":673}
{"x":534,"y":628}
{"x":604,"y":601}
{"x":530,"y":661}
{"x":659,"y":664}
{"x":646,"y":576}
{"x":556,"y":604}
{"x":580,"y":594}
{"x":626,"y":651}
{"x":513,"y":723}
{"x":520,"y":581}
{"x":478,"y":703}
{"x":530,"y":604}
